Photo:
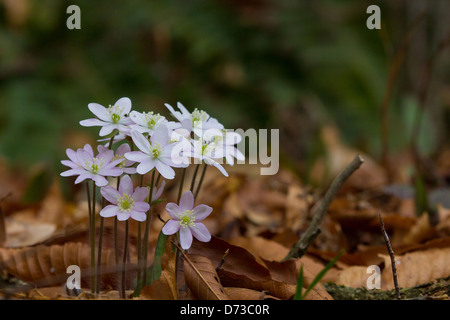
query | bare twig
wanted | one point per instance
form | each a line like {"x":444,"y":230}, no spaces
{"x":222,"y":261}
{"x":391,"y":254}
{"x":319,"y":210}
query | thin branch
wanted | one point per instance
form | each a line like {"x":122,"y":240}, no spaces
{"x":391,"y":254}
{"x":320,"y":209}
{"x":222,"y":261}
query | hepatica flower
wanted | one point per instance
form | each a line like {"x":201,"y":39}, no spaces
{"x":148,"y":122}
{"x":111,"y":118}
{"x":125,"y":165}
{"x":187,"y":220}
{"x":85,"y":165}
{"x":196,"y":122}
{"x":225,"y":142}
{"x":126,"y":202}
{"x":156,"y":153}
{"x":209,"y":153}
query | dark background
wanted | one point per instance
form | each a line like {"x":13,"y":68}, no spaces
{"x":298,"y":66}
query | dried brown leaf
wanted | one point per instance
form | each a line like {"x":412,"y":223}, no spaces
{"x":202,"y":279}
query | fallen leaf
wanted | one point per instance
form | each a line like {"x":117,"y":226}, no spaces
{"x":202,"y":279}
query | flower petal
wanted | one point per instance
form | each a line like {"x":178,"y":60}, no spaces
{"x":173,"y":210}
{"x":140,"y":193}
{"x":145,"y":166}
{"x":122,"y":149}
{"x":160,"y":136}
{"x":171,"y":227}
{"x":107,"y":129}
{"x":137,"y":156}
{"x":187,"y":201}
{"x":201,"y":212}
{"x":110,"y":194}
{"x":100,"y":181}
{"x":126,"y":185}
{"x":72,"y":172}
{"x":138,"y":216}
{"x":141,"y":206}
{"x":122,"y":216}
{"x":124,"y":103}
{"x":166,"y":171}
{"x":100,"y":111}
{"x":72,"y":155}
{"x":83,"y":176}
{"x":185,"y":238}
{"x":109,"y":211}
{"x":200,"y":232}
{"x":92,"y":123}
{"x":140,"y":141}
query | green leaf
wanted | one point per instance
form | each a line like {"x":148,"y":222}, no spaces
{"x":159,"y":251}
{"x":298,"y":295}
{"x":298,"y":291}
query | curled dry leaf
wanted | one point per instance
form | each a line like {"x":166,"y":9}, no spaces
{"x":202,"y":279}
{"x":47,"y":265}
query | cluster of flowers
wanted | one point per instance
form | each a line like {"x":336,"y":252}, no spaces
{"x":162,"y":146}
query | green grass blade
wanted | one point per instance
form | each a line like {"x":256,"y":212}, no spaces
{"x":322,"y":273}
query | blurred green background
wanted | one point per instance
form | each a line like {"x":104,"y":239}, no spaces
{"x":292,"y":65}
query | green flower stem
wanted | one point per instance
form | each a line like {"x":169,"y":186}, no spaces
{"x":205,"y":166}
{"x":147,"y":227}
{"x":180,"y":190}
{"x":99,"y":256}
{"x":194,"y":177}
{"x":93,"y":239}
{"x":124,"y":262}
{"x":139,"y":242}
{"x":100,"y":237}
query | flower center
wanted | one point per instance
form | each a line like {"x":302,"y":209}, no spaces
{"x":125,"y":203}
{"x":155,"y":150}
{"x":198,"y":115}
{"x":116,"y":113}
{"x":117,"y":157}
{"x":152,"y":119}
{"x":94,"y":165}
{"x":187,"y":218}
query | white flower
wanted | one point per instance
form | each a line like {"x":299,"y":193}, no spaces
{"x":114,"y":117}
{"x":196,"y":122}
{"x":148,"y":122}
{"x":208,"y":152}
{"x":225,"y":142}
{"x":156,"y":153}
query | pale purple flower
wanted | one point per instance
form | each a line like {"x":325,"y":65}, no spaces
{"x":148,"y":122}
{"x":85,"y":165}
{"x":125,"y":165}
{"x":196,"y":122}
{"x":187,"y":220}
{"x":156,"y":153}
{"x":126,"y":202}
{"x":111,"y":118}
